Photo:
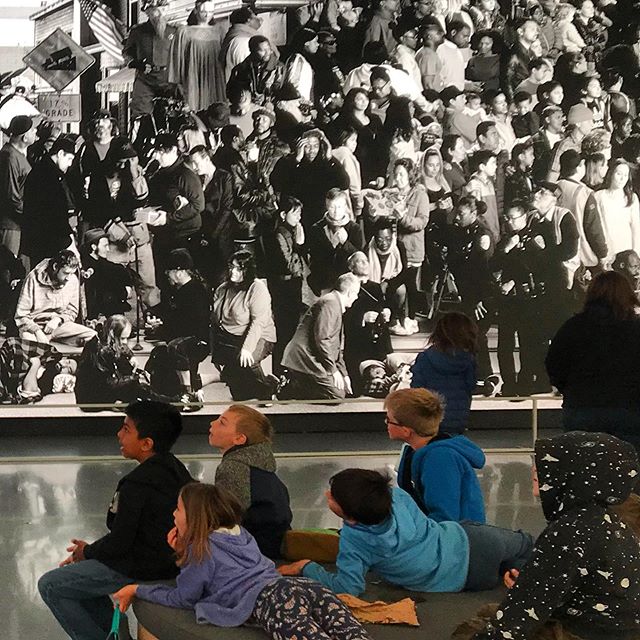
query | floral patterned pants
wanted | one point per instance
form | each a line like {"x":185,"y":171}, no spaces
{"x":302,"y":609}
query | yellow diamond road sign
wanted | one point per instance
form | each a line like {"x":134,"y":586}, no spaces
{"x":58,"y":59}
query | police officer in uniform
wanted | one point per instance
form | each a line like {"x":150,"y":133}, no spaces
{"x":559,"y":233}
{"x":516,"y":266}
{"x":469,"y":250}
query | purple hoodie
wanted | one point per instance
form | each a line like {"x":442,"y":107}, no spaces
{"x":223,"y":588}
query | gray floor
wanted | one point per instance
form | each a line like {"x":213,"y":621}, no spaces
{"x":46,"y":504}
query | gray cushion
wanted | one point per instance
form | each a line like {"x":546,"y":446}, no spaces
{"x":438,"y":613}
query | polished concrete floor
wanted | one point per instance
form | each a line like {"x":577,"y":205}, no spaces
{"x":47,"y":503}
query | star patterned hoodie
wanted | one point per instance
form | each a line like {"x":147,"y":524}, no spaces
{"x":585,"y":568}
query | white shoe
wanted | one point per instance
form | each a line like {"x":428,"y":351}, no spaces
{"x":411,"y":326}
{"x":398,"y":330}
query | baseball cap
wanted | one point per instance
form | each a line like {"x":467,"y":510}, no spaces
{"x":551,"y":187}
{"x":19,"y":125}
{"x":179,"y":259}
{"x":449,"y":93}
{"x":63,"y":144}
{"x":93,"y":236}
{"x":264,"y":112}
{"x":165,"y":141}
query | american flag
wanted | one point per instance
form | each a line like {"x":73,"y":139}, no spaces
{"x":107,"y":28}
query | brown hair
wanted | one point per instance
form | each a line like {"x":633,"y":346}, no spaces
{"x":207,"y":508}
{"x":455,"y":331}
{"x":417,"y":409}
{"x":254,"y":425}
{"x":613,"y":290}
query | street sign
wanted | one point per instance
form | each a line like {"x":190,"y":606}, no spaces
{"x":60,"y":107}
{"x":58,"y":59}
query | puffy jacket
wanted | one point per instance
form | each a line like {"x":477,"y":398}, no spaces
{"x":453,"y":376}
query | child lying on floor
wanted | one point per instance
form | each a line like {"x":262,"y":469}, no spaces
{"x":226,"y":580}
{"x":385,"y":531}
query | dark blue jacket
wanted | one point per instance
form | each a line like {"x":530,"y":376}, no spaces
{"x":441,"y":478}
{"x":249,"y":472}
{"x":453,"y":376}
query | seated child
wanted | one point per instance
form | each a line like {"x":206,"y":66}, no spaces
{"x":436,"y":469}
{"x":384,"y":531}
{"x":138,"y":519}
{"x":248,"y":470}
{"x":226,"y":580}
{"x":583,"y":579}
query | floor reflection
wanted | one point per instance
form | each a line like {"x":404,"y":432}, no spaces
{"x":45,"y":505}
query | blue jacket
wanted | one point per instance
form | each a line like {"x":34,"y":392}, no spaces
{"x":224,"y":587}
{"x":453,"y":376}
{"x":441,"y":478}
{"x":407,"y":549}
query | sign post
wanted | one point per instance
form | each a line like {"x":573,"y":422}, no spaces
{"x":59,"y":60}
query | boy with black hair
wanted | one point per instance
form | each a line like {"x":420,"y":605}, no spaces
{"x":436,"y":469}
{"x":384,"y":531}
{"x":138,"y":519}
{"x":483,"y":165}
{"x":525,"y":121}
{"x":519,"y":184}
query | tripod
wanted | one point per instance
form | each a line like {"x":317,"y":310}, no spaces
{"x":137,"y":346}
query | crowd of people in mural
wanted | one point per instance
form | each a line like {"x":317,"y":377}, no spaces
{"x":394,"y":160}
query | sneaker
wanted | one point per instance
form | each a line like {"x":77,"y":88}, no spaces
{"x":192,"y":401}
{"x":398,"y":330}
{"x":411,"y":326}
{"x":491,"y":385}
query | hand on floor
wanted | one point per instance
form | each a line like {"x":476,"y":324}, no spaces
{"x":293,"y":569}
{"x":510,"y":578}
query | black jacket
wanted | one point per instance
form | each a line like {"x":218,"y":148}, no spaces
{"x":47,"y":202}
{"x":594,"y":360}
{"x":139,"y":518}
{"x":309,"y":182}
{"x":187,"y":312}
{"x":329,"y":262}
{"x":105,"y":375}
{"x":105,"y":286}
{"x":585,"y":567}
{"x":164,"y":187}
{"x":286,"y":258}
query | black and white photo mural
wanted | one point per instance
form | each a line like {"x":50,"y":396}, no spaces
{"x":325,"y":203}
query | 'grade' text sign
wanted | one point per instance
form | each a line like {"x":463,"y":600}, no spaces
{"x":60,"y":108}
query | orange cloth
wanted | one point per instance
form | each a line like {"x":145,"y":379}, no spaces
{"x":379,"y":612}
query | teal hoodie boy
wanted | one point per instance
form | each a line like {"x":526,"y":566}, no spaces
{"x":442,"y":479}
{"x":407,"y":549}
